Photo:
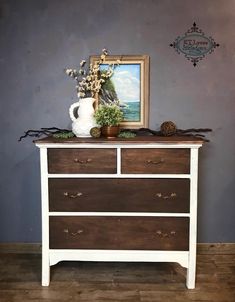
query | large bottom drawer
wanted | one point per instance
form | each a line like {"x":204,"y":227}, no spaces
{"x":119,"y":233}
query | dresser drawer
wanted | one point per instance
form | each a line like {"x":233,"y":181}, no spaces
{"x":151,"y":161}
{"x":119,"y":233}
{"x":82,"y":161}
{"x":119,"y":195}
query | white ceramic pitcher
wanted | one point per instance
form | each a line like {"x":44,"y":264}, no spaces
{"x":82,"y":124}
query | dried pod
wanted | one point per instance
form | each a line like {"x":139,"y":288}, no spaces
{"x":168,"y":128}
{"x":95,"y":132}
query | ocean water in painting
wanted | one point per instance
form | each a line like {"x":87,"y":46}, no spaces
{"x":131,"y":112}
{"x":126,"y":82}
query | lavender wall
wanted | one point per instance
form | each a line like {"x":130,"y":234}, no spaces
{"x":40,"y":38}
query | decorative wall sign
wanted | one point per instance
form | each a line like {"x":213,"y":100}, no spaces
{"x":194,"y":44}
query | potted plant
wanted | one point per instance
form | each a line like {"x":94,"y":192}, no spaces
{"x":109,"y":118}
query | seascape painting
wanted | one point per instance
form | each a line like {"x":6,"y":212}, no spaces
{"x":124,"y":88}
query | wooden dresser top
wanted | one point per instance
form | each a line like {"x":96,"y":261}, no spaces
{"x":151,"y":139}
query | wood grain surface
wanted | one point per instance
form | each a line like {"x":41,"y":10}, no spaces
{"x":152,"y":161}
{"x":119,"y":233}
{"x":138,"y":139}
{"x":119,"y":195}
{"x":82,"y":161}
{"x":20,"y":280}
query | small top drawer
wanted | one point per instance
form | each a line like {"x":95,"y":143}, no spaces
{"x":82,"y":161}
{"x":151,"y":161}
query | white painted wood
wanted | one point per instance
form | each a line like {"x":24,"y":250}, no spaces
{"x":185,"y":258}
{"x":191,"y":271}
{"x":119,"y":255}
{"x":119,"y":162}
{"x":124,"y":214}
{"x":119,"y":176}
{"x":45,"y":218}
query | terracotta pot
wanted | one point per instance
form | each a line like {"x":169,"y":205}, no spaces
{"x":110,"y":131}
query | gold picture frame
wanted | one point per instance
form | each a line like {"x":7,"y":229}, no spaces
{"x":131,"y":83}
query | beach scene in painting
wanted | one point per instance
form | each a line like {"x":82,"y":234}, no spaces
{"x":124,"y":87}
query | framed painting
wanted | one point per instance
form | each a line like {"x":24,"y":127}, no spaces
{"x":129,"y":87}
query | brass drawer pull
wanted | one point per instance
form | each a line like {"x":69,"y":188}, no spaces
{"x":171,"y":196}
{"x":80,"y":161}
{"x":155,"y":162}
{"x":166,"y":235}
{"x":78,"y":194}
{"x":78,"y":232}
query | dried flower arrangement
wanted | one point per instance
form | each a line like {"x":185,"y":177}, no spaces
{"x":89,"y":81}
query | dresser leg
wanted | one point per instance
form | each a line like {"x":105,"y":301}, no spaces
{"x":45,"y":273}
{"x":191,"y":274}
{"x":45,"y":218}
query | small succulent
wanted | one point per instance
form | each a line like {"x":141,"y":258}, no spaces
{"x":108,"y":115}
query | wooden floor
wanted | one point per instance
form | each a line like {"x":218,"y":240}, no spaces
{"x":129,"y":282}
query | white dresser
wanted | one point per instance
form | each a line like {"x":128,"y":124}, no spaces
{"x":119,"y":200}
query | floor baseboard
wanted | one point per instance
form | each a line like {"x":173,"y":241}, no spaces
{"x":21,"y":248}
{"x":216,"y":248}
{"x":36,"y":248}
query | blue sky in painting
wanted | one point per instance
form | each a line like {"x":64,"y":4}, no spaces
{"x":126,"y":79}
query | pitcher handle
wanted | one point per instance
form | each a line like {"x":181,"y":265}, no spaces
{"x":71,"y":111}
